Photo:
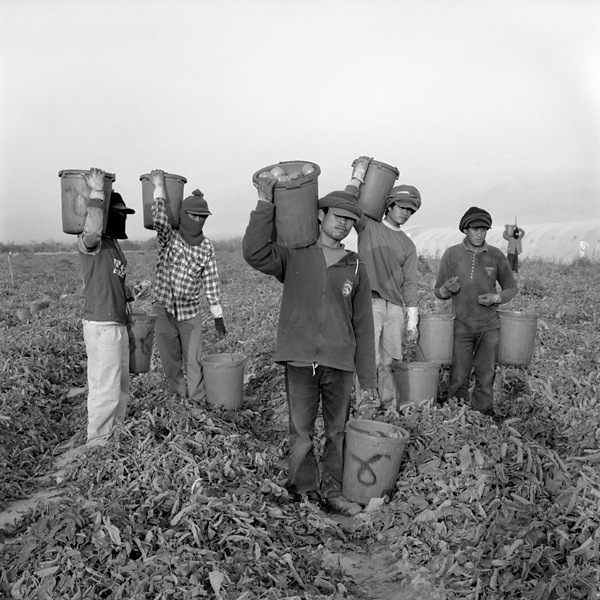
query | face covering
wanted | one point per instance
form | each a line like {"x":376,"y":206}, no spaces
{"x":115,"y":225}
{"x":191,"y":230}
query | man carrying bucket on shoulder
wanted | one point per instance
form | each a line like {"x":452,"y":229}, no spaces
{"x":324,"y":335}
{"x":468,"y":274}
{"x":186,"y":267}
{"x":105,"y":310}
{"x":391,"y":260}
{"x":514,"y":236}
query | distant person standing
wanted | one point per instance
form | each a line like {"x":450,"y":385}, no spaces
{"x":391,"y":261}
{"x":105,"y":334}
{"x":324,"y":335}
{"x":513,"y":235}
{"x":186,"y":268}
{"x":468,"y":274}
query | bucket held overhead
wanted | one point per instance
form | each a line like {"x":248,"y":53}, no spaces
{"x":174,"y":185}
{"x":379,"y":182}
{"x":75,"y":197}
{"x":296,"y":198}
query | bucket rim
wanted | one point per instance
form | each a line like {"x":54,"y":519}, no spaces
{"x":140,"y":317}
{"x":515,"y":314}
{"x":351,"y":423}
{"x":214,"y":358}
{"x":442,"y":316}
{"x":420,"y":365}
{"x":379,"y":163}
{"x":66,"y":172}
{"x":167,"y":176}
{"x":293,"y":183}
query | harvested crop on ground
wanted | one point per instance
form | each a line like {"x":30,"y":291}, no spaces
{"x":189,"y":501}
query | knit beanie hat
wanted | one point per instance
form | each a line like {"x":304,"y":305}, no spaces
{"x":406,"y":196}
{"x":191,"y":230}
{"x":342,"y":203}
{"x":475,"y":217}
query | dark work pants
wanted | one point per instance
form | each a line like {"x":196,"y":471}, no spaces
{"x":474,"y":351}
{"x":513,"y":261}
{"x":305,"y":388}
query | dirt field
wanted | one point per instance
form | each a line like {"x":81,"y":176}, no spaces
{"x":188,"y":501}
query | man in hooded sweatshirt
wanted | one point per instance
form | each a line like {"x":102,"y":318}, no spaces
{"x":468,"y":274}
{"x":324,"y":335}
{"x":105,"y":309}
{"x":186,"y":267}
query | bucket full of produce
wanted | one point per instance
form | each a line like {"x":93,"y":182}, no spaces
{"x":415,"y":381}
{"x":517,"y":338}
{"x":372,"y":455}
{"x":140,"y":328}
{"x":75,"y":197}
{"x":174,"y":197}
{"x":379,"y":181}
{"x":436,"y":338}
{"x":296,"y":199}
{"x":224,"y":379}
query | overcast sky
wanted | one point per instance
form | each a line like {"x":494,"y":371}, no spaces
{"x":493,"y":103}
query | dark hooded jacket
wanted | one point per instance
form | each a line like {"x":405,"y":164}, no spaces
{"x":326,"y":316}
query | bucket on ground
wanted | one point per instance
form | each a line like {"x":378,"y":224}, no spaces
{"x":140,"y":328}
{"x":436,"y":338}
{"x":517,"y":338}
{"x":75,"y":197}
{"x":372,"y":456}
{"x":224,"y":379}
{"x":174,"y":197}
{"x":415,"y":381}
{"x":379,"y":181}
{"x":296,"y":200}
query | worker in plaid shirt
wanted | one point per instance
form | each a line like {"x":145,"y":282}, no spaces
{"x":186,"y":266}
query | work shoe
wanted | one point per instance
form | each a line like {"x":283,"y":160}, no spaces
{"x":340,"y":504}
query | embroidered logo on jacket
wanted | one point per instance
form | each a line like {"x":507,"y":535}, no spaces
{"x":490,"y":271}
{"x":119,"y":269}
{"x":347,"y":288}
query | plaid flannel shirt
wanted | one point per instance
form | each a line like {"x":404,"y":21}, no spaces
{"x":183,"y":271}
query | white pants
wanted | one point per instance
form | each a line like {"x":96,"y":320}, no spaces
{"x":107,"y":347}
{"x":389,"y":328}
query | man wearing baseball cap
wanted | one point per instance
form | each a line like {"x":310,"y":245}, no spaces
{"x":185,"y":269}
{"x":324,"y":335}
{"x":468,"y":274}
{"x":391,"y":260}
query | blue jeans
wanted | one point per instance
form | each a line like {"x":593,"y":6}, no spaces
{"x":474,"y":351}
{"x":305,"y":387}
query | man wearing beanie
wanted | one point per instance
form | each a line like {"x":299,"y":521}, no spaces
{"x":186,"y":267}
{"x":391,"y":260}
{"x":324,"y":335}
{"x":104,"y":268}
{"x":468,"y":274}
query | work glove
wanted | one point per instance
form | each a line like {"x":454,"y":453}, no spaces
{"x":265,"y":188}
{"x":142,"y":290}
{"x":220,"y":327}
{"x":488,"y":299}
{"x":412,"y":322}
{"x":450,"y":286}
{"x":157,"y":179}
{"x":95,"y":179}
{"x":361,"y":167}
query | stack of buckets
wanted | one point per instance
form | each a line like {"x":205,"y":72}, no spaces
{"x":418,"y":381}
{"x":372,"y":455}
{"x":296,"y":205}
